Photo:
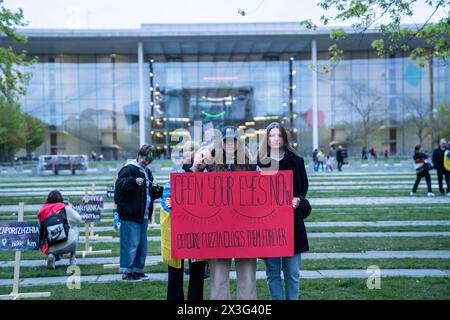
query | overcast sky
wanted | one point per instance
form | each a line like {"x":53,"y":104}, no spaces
{"x":111,"y":14}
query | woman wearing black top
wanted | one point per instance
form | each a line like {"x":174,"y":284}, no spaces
{"x":277,"y":154}
{"x":422,"y":170}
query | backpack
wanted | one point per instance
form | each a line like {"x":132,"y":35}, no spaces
{"x":55,"y":228}
{"x":425,"y":167}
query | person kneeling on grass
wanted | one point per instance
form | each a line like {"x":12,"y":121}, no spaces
{"x":55,"y":205}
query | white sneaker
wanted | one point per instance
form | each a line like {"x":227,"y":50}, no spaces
{"x":51,"y":261}
{"x":430,"y":194}
{"x":412,"y":193}
{"x":448,"y":194}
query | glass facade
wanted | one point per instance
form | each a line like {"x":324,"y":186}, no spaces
{"x":91,"y":103}
{"x":371,"y":101}
{"x":246,"y":94}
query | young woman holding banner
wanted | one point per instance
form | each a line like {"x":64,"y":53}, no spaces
{"x":234,"y":158}
{"x":276,"y":154}
{"x":198,"y":162}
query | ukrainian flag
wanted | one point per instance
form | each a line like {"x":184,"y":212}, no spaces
{"x":447,"y":160}
{"x":166,"y":251}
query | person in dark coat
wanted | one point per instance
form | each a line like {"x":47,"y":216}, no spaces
{"x":315,"y":158}
{"x":422,"y":170}
{"x":340,"y":157}
{"x":364,"y":153}
{"x":438,"y":163}
{"x":276,"y":153}
{"x":134,"y":196}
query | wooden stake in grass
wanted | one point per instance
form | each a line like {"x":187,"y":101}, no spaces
{"x":93,"y":236}
{"x":15,"y":295}
{"x":87,"y":248}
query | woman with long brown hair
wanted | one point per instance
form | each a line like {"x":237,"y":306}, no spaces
{"x":277,"y":154}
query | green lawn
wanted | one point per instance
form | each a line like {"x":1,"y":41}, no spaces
{"x":315,"y":244}
{"x":353,"y":289}
{"x":154,"y":248}
{"x":310,"y":289}
{"x":329,"y":264}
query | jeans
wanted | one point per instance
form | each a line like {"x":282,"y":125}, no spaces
{"x":133,"y":246}
{"x":291,"y":274}
{"x":316,"y":165}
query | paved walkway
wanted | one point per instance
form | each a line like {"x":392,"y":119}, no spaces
{"x":304,"y":274}
{"x":417,"y":254}
{"x":377,"y":234}
{"x":76,"y":185}
{"x":347,"y":210}
{"x":61,"y":184}
{"x":67,"y":177}
{"x":74,"y":191}
{"x":344,"y":201}
{"x":399,"y":223}
{"x":108,"y":215}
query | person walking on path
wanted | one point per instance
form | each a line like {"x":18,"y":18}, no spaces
{"x":364,"y":153}
{"x":438,"y":163}
{"x":322,"y":159}
{"x":55,"y":204}
{"x":329,"y":164}
{"x":199,"y":160}
{"x":422,"y":170}
{"x":315,"y":158}
{"x":340,"y":158}
{"x":284,"y":157}
{"x":134,"y":196}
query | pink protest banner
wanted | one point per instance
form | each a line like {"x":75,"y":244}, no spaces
{"x":232,"y":215}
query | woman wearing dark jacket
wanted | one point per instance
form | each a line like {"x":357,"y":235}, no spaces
{"x":134,"y":196}
{"x":277,"y":154}
{"x":422,"y":170}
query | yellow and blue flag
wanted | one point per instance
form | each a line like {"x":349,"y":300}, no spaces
{"x":447,"y":160}
{"x":166,"y":251}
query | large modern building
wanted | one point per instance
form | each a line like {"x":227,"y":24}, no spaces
{"x":109,"y":91}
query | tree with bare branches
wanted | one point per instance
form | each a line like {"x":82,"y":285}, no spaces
{"x":420,"y":117}
{"x":366,"y":103}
